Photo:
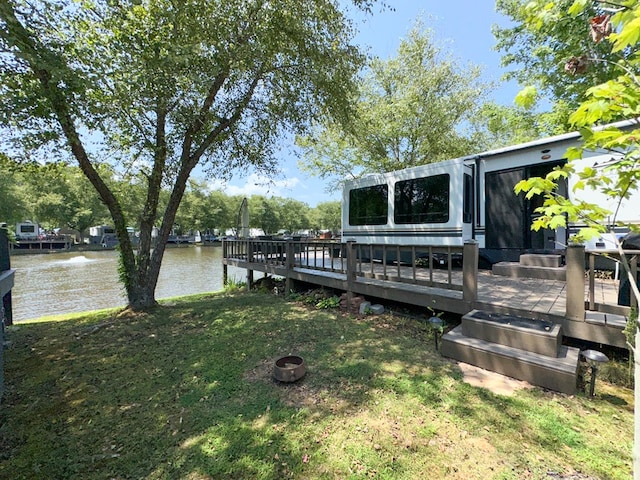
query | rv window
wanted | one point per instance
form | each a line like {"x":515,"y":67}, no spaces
{"x":368,"y":205}
{"x":467,"y":208}
{"x":422,"y":200}
{"x":28,"y":228}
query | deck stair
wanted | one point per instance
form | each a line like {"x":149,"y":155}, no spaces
{"x":521,"y":348}
{"x":533,"y":265}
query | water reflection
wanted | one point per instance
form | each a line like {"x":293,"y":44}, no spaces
{"x":67,"y":282}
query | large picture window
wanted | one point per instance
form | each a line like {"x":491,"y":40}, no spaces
{"x":369,"y":205}
{"x":422,"y":200}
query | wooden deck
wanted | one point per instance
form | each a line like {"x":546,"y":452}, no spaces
{"x":443,"y":289}
{"x":50,"y":242}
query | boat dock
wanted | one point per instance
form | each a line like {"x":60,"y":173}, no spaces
{"x":42,"y":243}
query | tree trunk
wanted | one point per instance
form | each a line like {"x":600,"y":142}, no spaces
{"x":141,"y":296}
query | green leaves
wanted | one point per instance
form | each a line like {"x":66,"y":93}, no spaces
{"x":543,"y":37}
{"x":628,"y":23}
{"x":527,"y":97}
{"x":577,"y":7}
{"x":408,"y":112}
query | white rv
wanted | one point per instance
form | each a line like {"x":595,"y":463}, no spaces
{"x":446,"y":203}
{"x":104,"y":235}
{"x":27,"y":231}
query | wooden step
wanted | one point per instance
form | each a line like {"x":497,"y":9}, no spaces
{"x":610,"y":319}
{"x":555,"y":373}
{"x":540,"y":260}
{"x":538,"y":336}
{"x":516,"y":270}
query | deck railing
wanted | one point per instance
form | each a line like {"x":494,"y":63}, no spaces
{"x":618,"y":273}
{"x":432,"y":266}
{"x":451,"y":268}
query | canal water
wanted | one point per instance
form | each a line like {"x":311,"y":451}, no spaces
{"x":55,"y":283}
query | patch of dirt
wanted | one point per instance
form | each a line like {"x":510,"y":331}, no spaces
{"x":297,"y":394}
{"x":130,"y":314}
{"x":262,"y":372}
{"x":97,"y":327}
{"x":492,"y":381}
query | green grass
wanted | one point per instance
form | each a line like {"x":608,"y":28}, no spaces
{"x":186,"y":392}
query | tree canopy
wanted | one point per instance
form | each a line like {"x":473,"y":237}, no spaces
{"x":408,"y":112}
{"x":550,"y":50}
{"x":156,"y":88}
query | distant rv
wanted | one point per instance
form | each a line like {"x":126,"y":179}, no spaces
{"x":104,"y":235}
{"x":472,"y":198}
{"x":27,"y":231}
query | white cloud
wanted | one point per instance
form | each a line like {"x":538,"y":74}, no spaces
{"x":256,"y":184}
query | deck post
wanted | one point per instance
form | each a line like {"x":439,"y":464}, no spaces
{"x":575,"y":282}
{"x":225,"y":267}
{"x":633,"y":264}
{"x":249,"y":250}
{"x":5,"y":266}
{"x":470,"y":271}
{"x":289,"y":261}
{"x":351,"y":271}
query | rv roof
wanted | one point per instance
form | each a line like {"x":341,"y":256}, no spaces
{"x":557,"y":138}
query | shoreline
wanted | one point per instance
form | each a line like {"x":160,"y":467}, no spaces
{"x":96,"y":248}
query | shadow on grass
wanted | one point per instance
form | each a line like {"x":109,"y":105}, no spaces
{"x":614,"y":400}
{"x":187,"y":392}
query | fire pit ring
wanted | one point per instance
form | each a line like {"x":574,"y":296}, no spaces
{"x":289,"y":369}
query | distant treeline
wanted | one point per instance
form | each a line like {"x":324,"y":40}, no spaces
{"x":58,"y":196}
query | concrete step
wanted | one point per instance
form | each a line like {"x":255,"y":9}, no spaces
{"x":541,"y":260}
{"x":516,"y":270}
{"x":538,"y":336}
{"x":555,"y":373}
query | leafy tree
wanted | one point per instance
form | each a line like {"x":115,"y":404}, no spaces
{"x":45,"y":191}
{"x":550,"y":50}
{"x":409,"y":111}
{"x":205,"y":210}
{"x":191,"y":213}
{"x":294,"y":214}
{"x":327,"y":216}
{"x":217,"y":212}
{"x":494,"y":126}
{"x":155,"y":88}
{"x":12,"y":207}
{"x":85,"y":208}
{"x":54,"y":195}
{"x":617,"y":95}
{"x":264,"y":213}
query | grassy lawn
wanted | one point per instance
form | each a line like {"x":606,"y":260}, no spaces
{"x":187,"y":393}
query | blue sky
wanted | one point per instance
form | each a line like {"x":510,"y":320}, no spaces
{"x":461,"y":27}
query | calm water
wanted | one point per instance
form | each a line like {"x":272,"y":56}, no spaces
{"x":55,"y":283}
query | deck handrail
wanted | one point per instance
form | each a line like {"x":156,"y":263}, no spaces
{"x":613,"y":255}
{"x":412,"y":264}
